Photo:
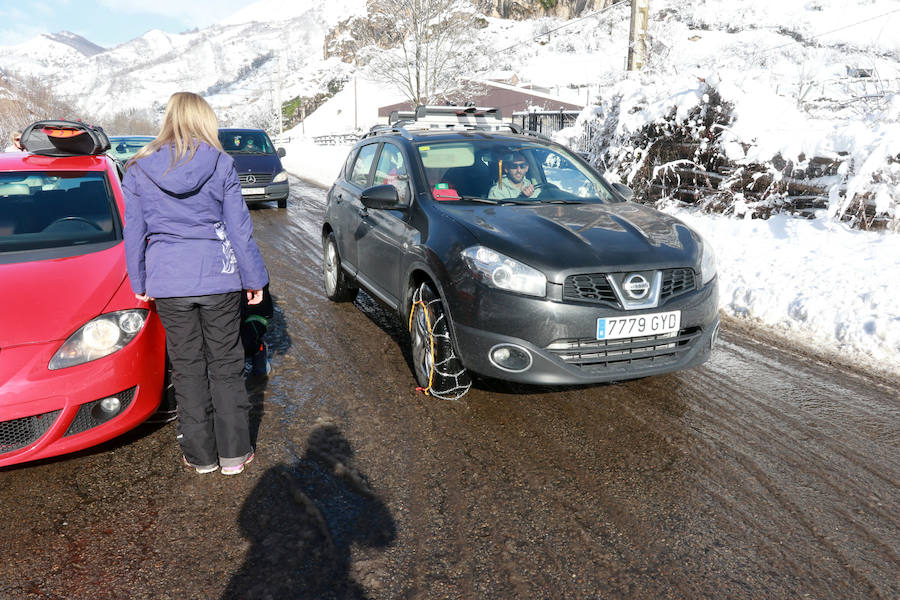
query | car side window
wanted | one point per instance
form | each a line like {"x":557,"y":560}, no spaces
{"x":347,"y":169}
{"x":391,"y":169}
{"x":363,"y":165}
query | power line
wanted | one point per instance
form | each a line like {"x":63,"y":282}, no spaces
{"x":831,"y":31}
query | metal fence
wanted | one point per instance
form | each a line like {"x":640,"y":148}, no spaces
{"x":336,"y":139}
{"x":546,"y":121}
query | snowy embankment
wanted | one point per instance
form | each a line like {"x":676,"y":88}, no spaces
{"x":825,"y":286}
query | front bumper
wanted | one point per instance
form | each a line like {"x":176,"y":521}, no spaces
{"x":560,"y":337}
{"x":273,"y":192}
{"x":46,"y":413}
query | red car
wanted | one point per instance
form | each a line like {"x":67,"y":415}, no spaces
{"x":81,"y":359}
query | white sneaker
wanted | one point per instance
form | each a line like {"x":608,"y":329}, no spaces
{"x":237,"y":469}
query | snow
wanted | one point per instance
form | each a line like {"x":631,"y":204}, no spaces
{"x":829,"y":287}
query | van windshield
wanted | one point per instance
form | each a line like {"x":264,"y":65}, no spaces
{"x":503,"y":172}
{"x":246,"y":142}
{"x":40,"y":210}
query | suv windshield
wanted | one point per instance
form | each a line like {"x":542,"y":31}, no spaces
{"x":40,"y":210}
{"x":246,"y":142}
{"x":504,"y":172}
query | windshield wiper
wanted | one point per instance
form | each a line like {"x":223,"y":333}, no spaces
{"x":560,"y":201}
{"x":479,"y":199}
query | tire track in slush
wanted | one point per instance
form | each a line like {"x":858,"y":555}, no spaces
{"x":759,"y":474}
{"x":809,"y":470}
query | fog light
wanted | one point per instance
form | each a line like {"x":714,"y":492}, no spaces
{"x":105,"y":409}
{"x":510,"y":358}
{"x":110,"y":405}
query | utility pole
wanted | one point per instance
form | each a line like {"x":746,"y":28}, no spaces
{"x":280,"y":113}
{"x":638,"y":51}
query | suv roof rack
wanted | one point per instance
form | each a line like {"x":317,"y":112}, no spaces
{"x":64,"y":138}
{"x":445,"y":118}
{"x":448,"y":118}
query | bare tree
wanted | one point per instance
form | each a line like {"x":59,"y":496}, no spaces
{"x":24,"y":100}
{"x":132,"y":121}
{"x":432,"y":46}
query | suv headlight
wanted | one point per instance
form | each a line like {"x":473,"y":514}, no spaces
{"x":707,"y":262}
{"x":502,"y":272}
{"x":280,"y":177}
{"x":99,"y":337}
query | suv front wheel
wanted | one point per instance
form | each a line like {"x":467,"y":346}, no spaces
{"x":438,"y":370}
{"x":337,"y":285}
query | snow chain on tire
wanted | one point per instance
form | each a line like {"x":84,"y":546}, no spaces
{"x":447,"y":379}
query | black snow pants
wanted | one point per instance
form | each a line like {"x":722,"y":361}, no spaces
{"x":203,"y":339}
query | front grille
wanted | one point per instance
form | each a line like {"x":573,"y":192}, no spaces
{"x":261,"y":178}
{"x":597,"y":356}
{"x":676,"y":282}
{"x":595,"y":287}
{"x":590,"y":287}
{"x":18,"y":433}
{"x":87,"y":417}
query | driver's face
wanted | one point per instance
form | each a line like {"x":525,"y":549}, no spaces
{"x":516,"y":170}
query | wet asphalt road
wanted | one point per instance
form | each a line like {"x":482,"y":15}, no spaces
{"x":762,"y":474}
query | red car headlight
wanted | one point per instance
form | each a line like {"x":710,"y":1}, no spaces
{"x":99,"y":337}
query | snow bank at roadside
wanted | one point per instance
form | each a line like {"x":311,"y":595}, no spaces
{"x":314,"y":163}
{"x":823,"y":284}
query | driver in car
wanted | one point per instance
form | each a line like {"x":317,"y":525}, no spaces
{"x":513,"y":183}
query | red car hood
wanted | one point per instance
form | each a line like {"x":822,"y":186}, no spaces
{"x":48,"y":300}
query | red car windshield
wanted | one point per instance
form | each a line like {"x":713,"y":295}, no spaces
{"x":41,"y":210}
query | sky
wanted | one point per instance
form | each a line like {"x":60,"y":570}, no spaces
{"x":107,"y":23}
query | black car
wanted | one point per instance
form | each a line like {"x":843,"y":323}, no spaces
{"x":509,"y":256}
{"x":258,"y":163}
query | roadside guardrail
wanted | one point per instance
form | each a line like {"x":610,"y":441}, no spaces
{"x":336,"y":139}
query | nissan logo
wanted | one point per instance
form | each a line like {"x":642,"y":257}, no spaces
{"x":251,"y":179}
{"x":636,"y":286}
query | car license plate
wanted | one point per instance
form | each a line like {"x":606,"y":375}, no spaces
{"x":616,"y":328}
{"x":252,"y":191}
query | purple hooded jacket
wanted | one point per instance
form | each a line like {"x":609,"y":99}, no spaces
{"x":187,"y":228}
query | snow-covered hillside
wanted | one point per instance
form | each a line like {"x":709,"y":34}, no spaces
{"x":243,"y":64}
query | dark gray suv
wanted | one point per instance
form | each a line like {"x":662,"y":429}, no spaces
{"x":509,"y":256}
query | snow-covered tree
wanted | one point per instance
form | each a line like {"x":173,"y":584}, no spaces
{"x":432,"y":45}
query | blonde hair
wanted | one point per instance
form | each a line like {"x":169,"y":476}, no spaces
{"x":189,"y":120}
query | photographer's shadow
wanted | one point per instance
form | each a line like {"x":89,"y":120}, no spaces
{"x":303,"y":520}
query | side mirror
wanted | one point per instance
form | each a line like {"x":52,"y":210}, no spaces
{"x":625,"y":191}
{"x":281,"y":152}
{"x":380,"y":196}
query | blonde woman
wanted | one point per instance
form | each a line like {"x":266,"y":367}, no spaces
{"x":189,"y":246}
{"x":16,"y":139}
